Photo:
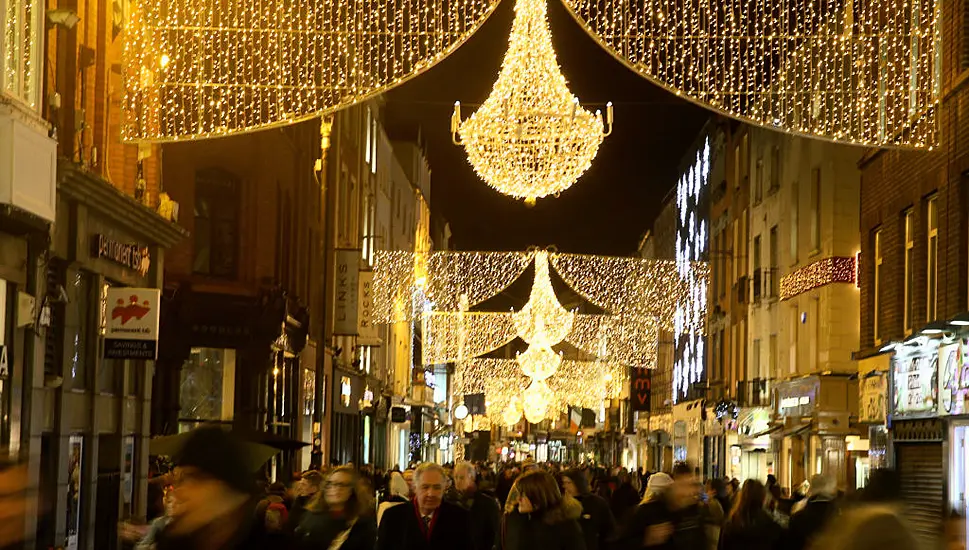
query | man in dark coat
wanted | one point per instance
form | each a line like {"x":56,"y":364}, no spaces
{"x":810,"y":520}
{"x":673,"y":521}
{"x":483,"y":508}
{"x":427,"y":522}
{"x":597,"y":522}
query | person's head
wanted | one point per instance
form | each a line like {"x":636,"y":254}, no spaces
{"x":465,"y":477}
{"x":537,"y":492}
{"x":715,"y":487}
{"x":211,"y":479}
{"x":276,"y":517}
{"x":430,"y":482}
{"x":409,"y":478}
{"x":341,"y":491}
{"x":752,"y":498}
{"x":398,"y":486}
{"x":574,"y":483}
{"x":823,"y":486}
{"x":657,"y":486}
{"x":684,"y":489}
{"x":309,"y":484}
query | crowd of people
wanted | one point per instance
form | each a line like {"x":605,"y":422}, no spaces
{"x":213,"y":503}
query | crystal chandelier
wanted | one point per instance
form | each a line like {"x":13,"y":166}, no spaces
{"x":531,"y":138}
{"x":537,"y":399}
{"x":543,"y":321}
{"x":539,"y":362}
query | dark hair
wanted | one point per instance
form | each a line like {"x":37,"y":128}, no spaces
{"x":313,"y":477}
{"x":541,"y":489}
{"x":884,"y":485}
{"x":358,"y":504}
{"x":681,"y":469}
{"x":579,"y":480}
{"x":752,"y":498}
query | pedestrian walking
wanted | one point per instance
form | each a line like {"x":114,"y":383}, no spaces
{"x":485,"y":513}
{"x":625,"y":498}
{"x":541,"y":516}
{"x":398,"y":493}
{"x":213,"y":490}
{"x":427,"y":523}
{"x":340,"y":516}
{"x":597,"y":522}
{"x":749,"y":526}
{"x":306,"y":489}
{"x":670,"y":518}
{"x":813,"y":515}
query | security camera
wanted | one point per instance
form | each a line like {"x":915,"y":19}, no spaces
{"x":62,"y":17}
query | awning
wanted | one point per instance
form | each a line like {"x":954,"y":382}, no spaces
{"x":768,"y":431}
{"x":795,"y":430}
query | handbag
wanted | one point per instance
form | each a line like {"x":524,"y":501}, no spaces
{"x":343,"y":536}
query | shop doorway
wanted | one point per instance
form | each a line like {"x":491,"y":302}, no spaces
{"x":958,"y":477}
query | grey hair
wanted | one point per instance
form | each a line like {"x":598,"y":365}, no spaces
{"x":465,"y":465}
{"x":428,"y":467}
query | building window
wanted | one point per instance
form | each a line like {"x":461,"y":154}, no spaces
{"x":932,"y":257}
{"x":795,"y":219}
{"x":816,"y":210}
{"x":216,"y":230}
{"x":909,"y":279}
{"x":773,"y":288}
{"x":775,"y":169}
{"x":368,"y":236}
{"x":773,"y":357}
{"x":21,"y":73}
{"x":759,"y":181}
{"x":207,"y":389}
{"x":758,"y":275}
{"x":793,"y":358}
{"x":755,"y":361}
{"x":876,"y":291}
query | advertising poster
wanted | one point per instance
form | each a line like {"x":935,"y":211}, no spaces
{"x":914,"y":383}
{"x":75,"y":453}
{"x":954,"y":378}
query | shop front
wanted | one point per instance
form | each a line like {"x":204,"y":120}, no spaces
{"x":347,"y":424}
{"x":870,"y":451}
{"x":749,"y":445}
{"x":688,"y":433}
{"x":812,"y":423}
{"x":918,"y":434}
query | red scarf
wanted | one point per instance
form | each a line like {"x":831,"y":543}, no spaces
{"x":426,"y":529}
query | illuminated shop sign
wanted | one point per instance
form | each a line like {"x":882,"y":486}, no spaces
{"x":914,"y":388}
{"x":954,"y":378}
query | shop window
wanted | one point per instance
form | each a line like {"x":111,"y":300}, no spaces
{"x":207,"y":389}
{"x":216,"y":230}
{"x":79,"y":323}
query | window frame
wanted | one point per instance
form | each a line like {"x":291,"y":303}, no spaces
{"x":26,"y":64}
{"x":226,"y":187}
{"x":876,"y":286}
{"x":908,"y":274}
{"x":932,"y":259}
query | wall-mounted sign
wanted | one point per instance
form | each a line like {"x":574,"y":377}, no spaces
{"x":345,"y":319}
{"x":366,"y":329}
{"x":954,"y":378}
{"x":872,"y":390}
{"x":131,"y":255}
{"x":398,"y":415}
{"x":797,"y":397}
{"x":914,"y":388}
{"x":131,"y":324}
{"x":641,"y":389}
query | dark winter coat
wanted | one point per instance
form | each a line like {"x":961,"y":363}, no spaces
{"x":318,"y":529}
{"x":556,"y":529}
{"x":240,"y":532}
{"x":485,"y":517}
{"x":624,"y":500}
{"x":760,"y":532}
{"x":688,"y":525}
{"x":597,"y":522}
{"x":809,"y":523}
{"x":401,"y":528}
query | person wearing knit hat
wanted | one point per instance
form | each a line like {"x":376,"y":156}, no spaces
{"x":657,"y":484}
{"x":213,"y":488}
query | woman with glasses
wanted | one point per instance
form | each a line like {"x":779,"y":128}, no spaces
{"x":340,"y":517}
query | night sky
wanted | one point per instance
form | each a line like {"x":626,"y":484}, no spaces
{"x":611,"y":206}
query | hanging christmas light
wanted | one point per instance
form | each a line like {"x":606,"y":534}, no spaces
{"x":536,"y":401}
{"x":543,"y":321}
{"x":513,"y":412}
{"x":531,"y":138}
{"x":539,"y":362}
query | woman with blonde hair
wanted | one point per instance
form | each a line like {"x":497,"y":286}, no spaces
{"x":340,"y":517}
{"x":538,"y":515}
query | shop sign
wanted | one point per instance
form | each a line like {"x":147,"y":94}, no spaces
{"x":131,"y":255}
{"x":366,"y":328}
{"x":640,"y":389}
{"x":131,"y":327}
{"x":797,"y":397}
{"x":345,"y":320}
{"x":872,"y":390}
{"x":954,"y":378}
{"x":914,"y":389}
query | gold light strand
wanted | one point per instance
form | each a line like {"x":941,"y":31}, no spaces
{"x":630,"y":340}
{"x":543,"y":321}
{"x":864,"y":72}
{"x":531,"y":138}
{"x":476,"y":275}
{"x":450,"y":337}
{"x":820,"y":273}
{"x":208,"y":68}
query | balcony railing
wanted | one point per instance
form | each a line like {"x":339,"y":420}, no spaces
{"x":753,"y":393}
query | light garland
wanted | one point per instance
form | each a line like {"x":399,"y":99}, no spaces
{"x":208,"y":68}
{"x":536,"y":401}
{"x":817,"y":274}
{"x":539,"y":362}
{"x":863,"y":72}
{"x":531,"y":138}
{"x":691,"y":247}
{"x":451,"y":337}
{"x":630,"y":340}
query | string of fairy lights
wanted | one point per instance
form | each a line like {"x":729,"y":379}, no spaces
{"x":531,"y":138}
{"x":863,"y":72}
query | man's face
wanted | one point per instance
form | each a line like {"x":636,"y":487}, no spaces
{"x":569,"y":486}
{"x":463,"y":479}
{"x":430,"y":489}
{"x":307,"y":488}
{"x":198,"y":496}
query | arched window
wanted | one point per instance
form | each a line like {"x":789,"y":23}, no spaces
{"x":216,"y":223}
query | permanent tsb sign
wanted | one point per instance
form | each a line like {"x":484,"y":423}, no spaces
{"x":131,"y":323}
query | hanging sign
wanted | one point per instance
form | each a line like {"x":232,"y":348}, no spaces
{"x":954,"y":378}
{"x":345,"y":292}
{"x":871,"y":404}
{"x":640,"y":389}
{"x":366,"y":329}
{"x":131,"y":327}
{"x":914,"y":389}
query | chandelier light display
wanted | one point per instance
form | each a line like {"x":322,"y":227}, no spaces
{"x":531,"y":138}
{"x":856,"y":71}
{"x":207,"y":68}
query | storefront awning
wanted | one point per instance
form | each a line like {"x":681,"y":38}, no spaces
{"x":795,"y":430}
{"x":768,"y":431}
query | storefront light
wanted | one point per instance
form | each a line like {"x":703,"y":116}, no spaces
{"x":934,"y":328}
{"x":961,"y":320}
